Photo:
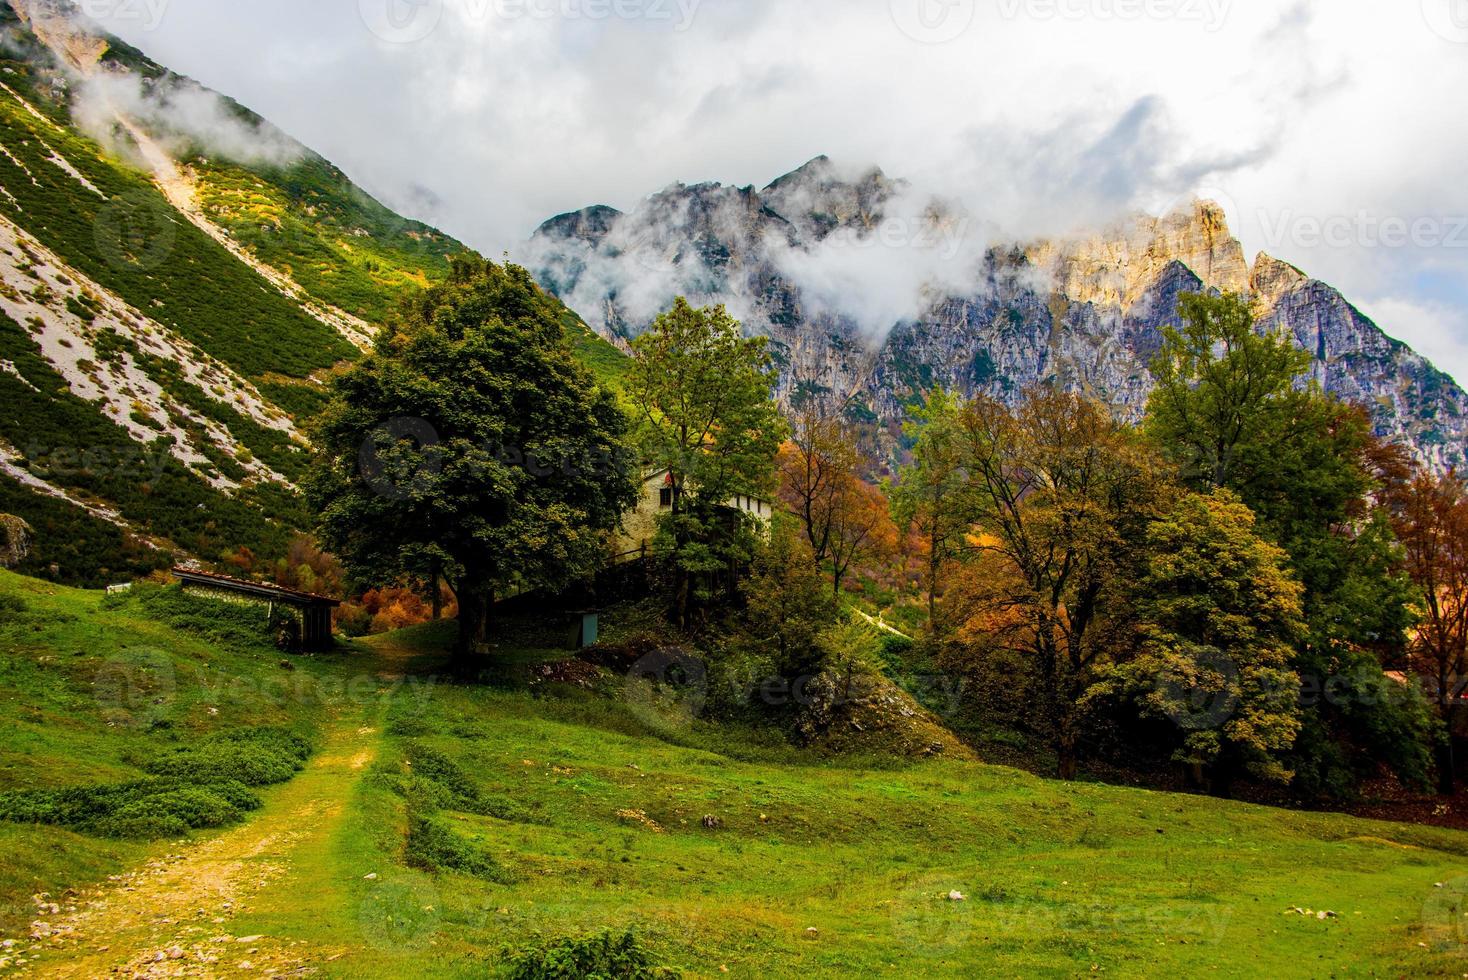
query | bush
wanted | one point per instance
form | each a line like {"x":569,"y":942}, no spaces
{"x":193,"y":806}
{"x":603,"y":957}
{"x":435,"y":847}
{"x":143,"y":810}
{"x":12,"y":608}
{"x":196,"y":786}
{"x":438,"y":783}
{"x":207,"y":764}
{"x":353,"y":619}
{"x":142,"y":828}
{"x":242,"y":627}
{"x":253,"y":757}
{"x":896,"y":651}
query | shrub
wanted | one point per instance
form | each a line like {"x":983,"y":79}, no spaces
{"x":194,"y":806}
{"x":438,"y":783}
{"x":196,"y":786}
{"x":353,"y":619}
{"x":433,"y":846}
{"x":242,"y":627}
{"x":896,"y":651}
{"x":603,"y":956}
{"x":143,"y":828}
{"x":253,"y":757}
{"x":142,"y":810}
{"x":12,"y":607}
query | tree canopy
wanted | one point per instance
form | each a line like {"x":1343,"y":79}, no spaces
{"x":701,"y":397}
{"x":470,"y":441}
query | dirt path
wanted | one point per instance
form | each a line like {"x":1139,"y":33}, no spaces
{"x":172,"y":916}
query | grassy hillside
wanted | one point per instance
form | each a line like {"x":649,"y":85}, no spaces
{"x":98,"y":217}
{"x":128,"y":238}
{"x":448,"y":831}
{"x":310,"y":221}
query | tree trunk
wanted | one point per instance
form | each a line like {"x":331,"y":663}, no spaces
{"x":1068,"y":758}
{"x":681,"y":588}
{"x":475,"y":602}
{"x":933,"y":596}
{"x":435,"y":586}
{"x":1447,"y":766}
{"x":1067,"y":751}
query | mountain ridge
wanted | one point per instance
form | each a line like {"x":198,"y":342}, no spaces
{"x":995,"y":316}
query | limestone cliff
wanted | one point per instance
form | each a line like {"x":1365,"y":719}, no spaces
{"x":1085,"y":311}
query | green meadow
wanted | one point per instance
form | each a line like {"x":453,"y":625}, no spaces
{"x":445,"y":830}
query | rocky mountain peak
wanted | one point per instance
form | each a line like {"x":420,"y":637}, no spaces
{"x":1118,"y":265}
{"x":61,"y":27}
{"x":1271,"y":279}
{"x":865,"y":328}
{"x":821,"y":197}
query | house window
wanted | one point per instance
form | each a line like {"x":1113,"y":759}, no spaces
{"x":665,"y":498}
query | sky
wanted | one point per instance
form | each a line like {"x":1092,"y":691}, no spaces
{"x":1331,"y":132}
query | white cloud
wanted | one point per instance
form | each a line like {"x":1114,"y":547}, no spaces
{"x":187,"y":116}
{"x":1036,"y":117}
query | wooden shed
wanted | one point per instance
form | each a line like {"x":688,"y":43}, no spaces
{"x":311,"y":612}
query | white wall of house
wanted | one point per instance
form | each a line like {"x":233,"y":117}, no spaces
{"x":640,"y":524}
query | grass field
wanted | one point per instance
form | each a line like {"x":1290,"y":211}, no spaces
{"x":441,"y":830}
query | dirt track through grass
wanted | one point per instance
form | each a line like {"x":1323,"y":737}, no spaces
{"x":175,"y":915}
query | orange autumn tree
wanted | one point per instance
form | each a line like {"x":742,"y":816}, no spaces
{"x":1431,"y":519}
{"x":845,"y":519}
{"x":1055,"y":493}
{"x":863,"y":532}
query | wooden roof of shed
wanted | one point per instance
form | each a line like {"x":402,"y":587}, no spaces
{"x":272,"y":592}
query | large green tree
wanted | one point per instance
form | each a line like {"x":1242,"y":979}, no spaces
{"x":470,"y":442}
{"x":1232,"y":411}
{"x":1225,"y":392}
{"x":1219,"y":616}
{"x":703,"y":409}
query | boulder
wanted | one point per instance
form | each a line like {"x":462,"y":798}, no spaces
{"x":15,"y":541}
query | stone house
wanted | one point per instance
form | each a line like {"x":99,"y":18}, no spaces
{"x":640,"y":525}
